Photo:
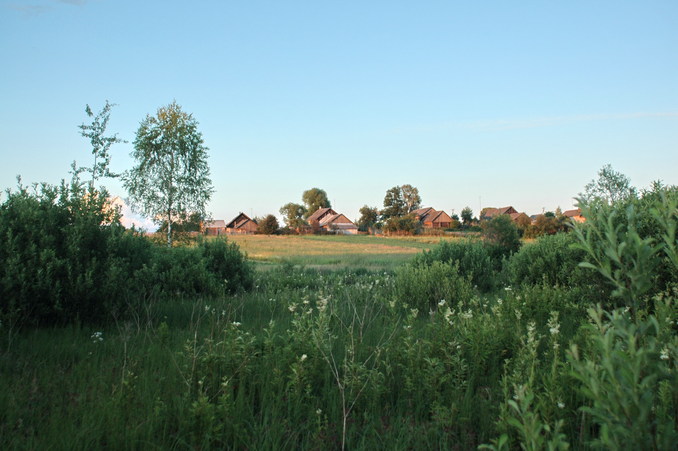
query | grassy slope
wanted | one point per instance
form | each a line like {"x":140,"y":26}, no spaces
{"x":328,"y":251}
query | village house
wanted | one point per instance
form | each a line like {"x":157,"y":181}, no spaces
{"x":433,"y":219}
{"x":241,"y":224}
{"x":329,"y":220}
{"x":490,"y":212}
{"x":215,"y":228}
{"x":574,"y":215}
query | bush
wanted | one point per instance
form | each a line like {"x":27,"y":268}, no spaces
{"x":551,"y":260}
{"x":475,"y":260}
{"x":63,"y":254}
{"x":502,"y":232}
{"x":424,"y":286}
{"x":65,"y":257}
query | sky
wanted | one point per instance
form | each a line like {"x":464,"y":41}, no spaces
{"x":477,"y":104}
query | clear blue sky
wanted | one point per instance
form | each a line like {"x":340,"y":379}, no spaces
{"x":499,"y":103}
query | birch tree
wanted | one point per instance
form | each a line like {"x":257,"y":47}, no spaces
{"x":171,"y":178}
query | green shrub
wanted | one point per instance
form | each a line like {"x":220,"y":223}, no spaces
{"x":476,"y":260}
{"x":551,"y":260}
{"x":63,"y":254}
{"x":424,"y":286}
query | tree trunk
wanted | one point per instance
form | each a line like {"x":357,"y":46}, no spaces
{"x":169,"y":228}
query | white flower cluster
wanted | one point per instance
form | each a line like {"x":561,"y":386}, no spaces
{"x":97,"y":337}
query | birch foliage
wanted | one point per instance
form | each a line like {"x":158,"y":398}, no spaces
{"x":171,"y":177}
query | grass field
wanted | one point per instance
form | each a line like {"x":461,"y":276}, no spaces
{"x":333,"y":252}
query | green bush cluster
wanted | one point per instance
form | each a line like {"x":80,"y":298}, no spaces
{"x":64,"y":257}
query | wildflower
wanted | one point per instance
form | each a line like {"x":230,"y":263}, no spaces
{"x":97,"y":337}
{"x":303,"y":357}
{"x":500,"y":301}
{"x":207,"y":309}
{"x":319,"y":411}
{"x":292,"y":307}
{"x":236,"y":323}
{"x":441,"y":303}
{"x":664,"y":354}
{"x":508,"y":288}
{"x":561,"y":405}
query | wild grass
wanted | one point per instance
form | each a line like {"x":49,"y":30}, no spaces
{"x":334,"y":251}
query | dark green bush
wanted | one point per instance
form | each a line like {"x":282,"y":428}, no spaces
{"x":475,"y":259}
{"x":551,"y":260}
{"x":63,"y":254}
{"x":424,"y":286}
{"x":64,"y":257}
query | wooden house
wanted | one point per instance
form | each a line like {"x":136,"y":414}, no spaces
{"x":329,"y":220}
{"x":241,"y":224}
{"x":574,"y":215}
{"x":433,"y":219}
{"x":215,"y":228}
{"x":489,"y":212}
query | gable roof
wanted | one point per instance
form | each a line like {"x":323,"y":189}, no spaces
{"x":320,"y":213}
{"x":215,"y":224}
{"x":572,"y":213}
{"x":239,"y":221}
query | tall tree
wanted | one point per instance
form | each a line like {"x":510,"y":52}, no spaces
{"x":411,"y":198}
{"x":171,"y":178}
{"x":96,"y":133}
{"x":394,"y":204}
{"x":268,"y":225}
{"x":314,"y":199}
{"x":368,"y":218}
{"x":293,"y":214}
{"x":610,"y":187}
{"x":467,"y":216}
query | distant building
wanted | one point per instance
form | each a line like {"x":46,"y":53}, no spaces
{"x":215,"y":228}
{"x":574,"y":215}
{"x":241,"y":224}
{"x":489,"y":212}
{"x":329,"y":220}
{"x":433,"y":219}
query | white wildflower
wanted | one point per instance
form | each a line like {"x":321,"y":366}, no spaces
{"x":303,"y":357}
{"x":664,"y":354}
{"x":441,"y":303}
{"x":236,"y":323}
{"x":319,"y":411}
{"x":97,"y":337}
{"x":292,"y":307}
{"x":561,"y":405}
{"x":508,"y":288}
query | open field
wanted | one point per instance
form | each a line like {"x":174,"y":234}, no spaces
{"x":329,"y":251}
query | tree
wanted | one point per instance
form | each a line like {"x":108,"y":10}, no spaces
{"x":369,"y":216}
{"x":293,"y":215}
{"x":399,"y":201}
{"x":501,"y":231}
{"x":314,"y":199}
{"x":411,"y":198}
{"x":268,"y":225}
{"x":171,"y":177}
{"x":100,"y":143}
{"x":610,"y":187}
{"x":467,"y":216}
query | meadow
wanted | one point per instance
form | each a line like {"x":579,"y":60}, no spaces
{"x":333,"y":251}
{"x":345,"y":342}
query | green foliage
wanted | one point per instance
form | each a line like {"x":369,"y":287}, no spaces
{"x":474,"y":259}
{"x":424,"y":286}
{"x":314,"y":199}
{"x":171,"y":176}
{"x":369,"y":217}
{"x":610,"y":187}
{"x":467,"y":216}
{"x":405,"y":225}
{"x":551,"y":260}
{"x":293,"y":215}
{"x":63,"y":254}
{"x":502,"y":232}
{"x":400,"y":201}
{"x":268,"y":225}
{"x":100,"y":143}
{"x":629,"y":378}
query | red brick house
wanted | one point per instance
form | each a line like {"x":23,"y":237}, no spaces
{"x":215,"y":228}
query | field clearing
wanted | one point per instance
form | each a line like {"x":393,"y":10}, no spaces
{"x":330,"y":251}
